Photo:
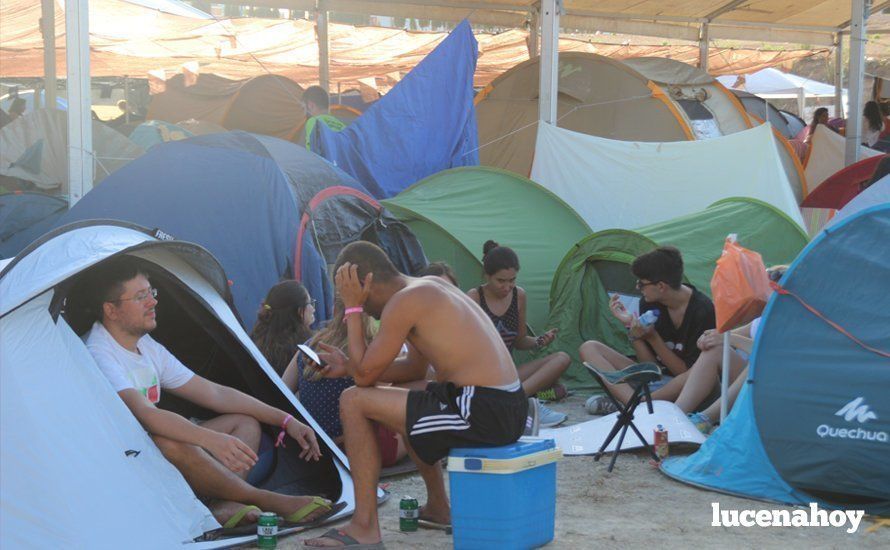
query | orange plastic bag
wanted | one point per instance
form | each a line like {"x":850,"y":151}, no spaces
{"x":740,"y":286}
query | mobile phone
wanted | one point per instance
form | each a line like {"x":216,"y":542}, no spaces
{"x":310,"y":353}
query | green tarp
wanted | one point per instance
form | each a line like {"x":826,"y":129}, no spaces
{"x":600,"y":264}
{"x":455,"y":211}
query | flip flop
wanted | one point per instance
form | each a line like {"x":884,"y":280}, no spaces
{"x":348,"y":542}
{"x":294,"y":520}
{"x":239,"y":515}
{"x":430,"y":524}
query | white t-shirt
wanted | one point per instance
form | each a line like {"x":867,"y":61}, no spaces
{"x":148,"y":371}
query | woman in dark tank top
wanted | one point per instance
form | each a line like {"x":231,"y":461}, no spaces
{"x":505,"y":305}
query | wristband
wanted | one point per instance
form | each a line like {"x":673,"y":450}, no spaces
{"x":351,"y":310}
{"x":279,"y":442}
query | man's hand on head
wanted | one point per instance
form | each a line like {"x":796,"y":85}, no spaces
{"x":353,"y":291}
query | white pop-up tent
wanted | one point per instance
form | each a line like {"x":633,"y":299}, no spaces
{"x":623,"y":185}
{"x":771,"y":83}
{"x":826,"y":156}
{"x":76,"y":467}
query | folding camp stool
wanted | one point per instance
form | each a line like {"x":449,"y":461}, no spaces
{"x":638,"y":376}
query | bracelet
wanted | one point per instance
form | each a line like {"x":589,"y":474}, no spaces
{"x":280,"y":440}
{"x":350,"y":310}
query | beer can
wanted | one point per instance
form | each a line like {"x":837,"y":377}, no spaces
{"x":267,"y":530}
{"x":409,"y":514}
{"x":661,"y":442}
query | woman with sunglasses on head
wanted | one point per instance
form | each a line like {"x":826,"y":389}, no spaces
{"x":684,"y":314}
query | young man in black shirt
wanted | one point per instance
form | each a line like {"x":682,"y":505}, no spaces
{"x":684,"y":314}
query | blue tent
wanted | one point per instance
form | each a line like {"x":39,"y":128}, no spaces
{"x":425,"y":124}
{"x":813,"y":421}
{"x":241,"y":196}
{"x":24,"y":217}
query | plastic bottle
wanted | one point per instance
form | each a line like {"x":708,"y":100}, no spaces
{"x":649,"y":318}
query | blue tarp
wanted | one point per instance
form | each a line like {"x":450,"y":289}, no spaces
{"x":813,"y":422}
{"x":425,"y":124}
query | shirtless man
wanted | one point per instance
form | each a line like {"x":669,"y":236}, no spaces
{"x":476,"y":401}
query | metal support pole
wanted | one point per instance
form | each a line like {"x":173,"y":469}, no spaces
{"x":48,"y":29}
{"x":549,"y":81}
{"x":857,"y":76}
{"x":839,"y":75}
{"x":534,"y":26}
{"x":801,"y":101}
{"x":703,"y":47}
{"x":127,"y":99}
{"x":80,"y":123}
{"x":324,"y":49}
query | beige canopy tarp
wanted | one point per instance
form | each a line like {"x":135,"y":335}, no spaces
{"x":129,"y":39}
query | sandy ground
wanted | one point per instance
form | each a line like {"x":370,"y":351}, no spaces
{"x":634,"y":506}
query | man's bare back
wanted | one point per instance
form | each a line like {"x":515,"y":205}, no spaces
{"x":453,"y":334}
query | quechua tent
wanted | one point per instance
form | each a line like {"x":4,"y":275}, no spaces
{"x":812,"y":424}
{"x":69,"y":444}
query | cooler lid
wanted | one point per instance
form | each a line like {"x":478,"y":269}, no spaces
{"x":525,"y":446}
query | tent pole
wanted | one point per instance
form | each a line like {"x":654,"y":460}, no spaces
{"x":324,"y":47}
{"x":80,"y":123}
{"x":127,"y":99}
{"x":549,"y":81}
{"x":48,"y":29}
{"x":534,"y":25}
{"x":703,"y":47}
{"x":838,"y":75}
{"x":856,"y":78}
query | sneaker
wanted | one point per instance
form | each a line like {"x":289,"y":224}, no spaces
{"x":600,"y":405}
{"x":557,"y":392}
{"x":702,"y":422}
{"x":550,"y":418}
{"x":533,"y":422}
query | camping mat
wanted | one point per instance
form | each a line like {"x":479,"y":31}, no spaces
{"x":404,"y":466}
{"x":587,"y":437}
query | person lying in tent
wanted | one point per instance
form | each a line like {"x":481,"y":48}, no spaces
{"x":215,"y":455}
{"x":476,"y":401}
{"x":317,"y":104}
{"x":684,"y":313}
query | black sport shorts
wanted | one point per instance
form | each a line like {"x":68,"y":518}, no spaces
{"x":443,"y":417}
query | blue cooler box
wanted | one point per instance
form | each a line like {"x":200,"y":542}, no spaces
{"x":504,"y":497}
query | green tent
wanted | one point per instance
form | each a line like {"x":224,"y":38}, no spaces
{"x":600,"y":264}
{"x":455,"y":211}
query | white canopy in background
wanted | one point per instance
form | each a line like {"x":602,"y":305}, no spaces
{"x":826,"y":156}
{"x":625,"y":185}
{"x":774,"y":83}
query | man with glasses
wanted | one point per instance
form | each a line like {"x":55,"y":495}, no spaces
{"x":685,"y":314}
{"x":214,"y":456}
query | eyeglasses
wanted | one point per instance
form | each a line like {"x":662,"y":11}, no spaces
{"x":139,"y":297}
{"x":314,"y":303}
{"x":640,"y":284}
